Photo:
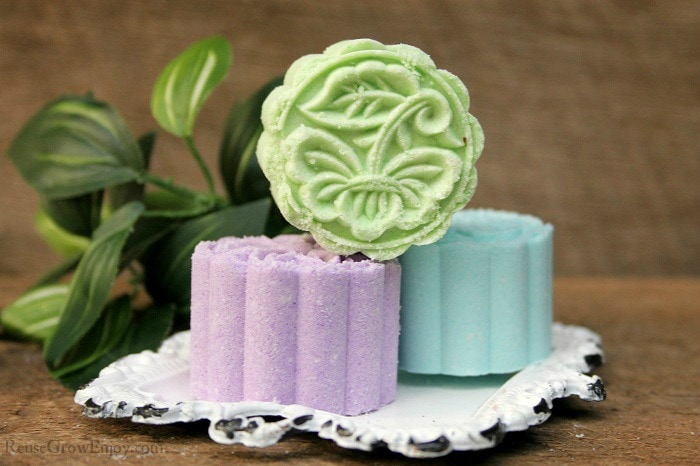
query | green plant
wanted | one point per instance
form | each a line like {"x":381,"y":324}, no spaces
{"x":111,"y":217}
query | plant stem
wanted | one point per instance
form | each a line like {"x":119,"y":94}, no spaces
{"x":202,"y":166}
{"x":168,"y":185}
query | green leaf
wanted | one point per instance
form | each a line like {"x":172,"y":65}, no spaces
{"x":146,"y":330}
{"x":242,"y":176}
{"x":35,"y":314}
{"x":93,"y":279}
{"x":78,"y":215}
{"x":74,"y":146}
{"x":147,"y":143}
{"x":133,"y":190}
{"x":165,"y":212}
{"x":63,"y":242}
{"x":147,"y":230}
{"x":167,"y":264}
{"x":277,"y":224}
{"x":162,"y":203}
{"x":184,"y":85}
{"x":104,"y":334}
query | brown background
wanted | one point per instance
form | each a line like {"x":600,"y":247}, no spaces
{"x":591,"y":109}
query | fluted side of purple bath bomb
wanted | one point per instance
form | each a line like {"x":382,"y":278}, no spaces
{"x":283,"y":320}
{"x":199,"y":325}
{"x":322,"y":339}
{"x":269,"y":366}
{"x":227,"y":281}
{"x":219,"y":270}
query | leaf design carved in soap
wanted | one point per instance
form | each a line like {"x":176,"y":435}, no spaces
{"x":370,"y":148}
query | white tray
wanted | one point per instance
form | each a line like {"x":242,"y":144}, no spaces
{"x":432,"y":415}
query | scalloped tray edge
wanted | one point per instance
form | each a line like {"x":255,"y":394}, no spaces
{"x":523,"y":401}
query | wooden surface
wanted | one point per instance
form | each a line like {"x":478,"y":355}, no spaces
{"x":591,"y":109}
{"x":591,"y":112}
{"x":652,"y":415}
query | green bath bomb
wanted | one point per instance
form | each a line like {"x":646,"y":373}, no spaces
{"x":370,"y":147}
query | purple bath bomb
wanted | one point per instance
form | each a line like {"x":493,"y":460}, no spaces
{"x":286,"y":321}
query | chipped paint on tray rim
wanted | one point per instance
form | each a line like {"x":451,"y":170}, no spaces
{"x":148,"y":388}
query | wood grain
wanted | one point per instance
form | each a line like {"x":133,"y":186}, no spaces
{"x":652,"y":414}
{"x":591,"y":109}
{"x":591,"y":112}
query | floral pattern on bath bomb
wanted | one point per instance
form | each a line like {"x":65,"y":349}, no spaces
{"x":370,"y":147}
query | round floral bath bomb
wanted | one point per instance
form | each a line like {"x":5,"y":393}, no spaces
{"x":370,"y":147}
